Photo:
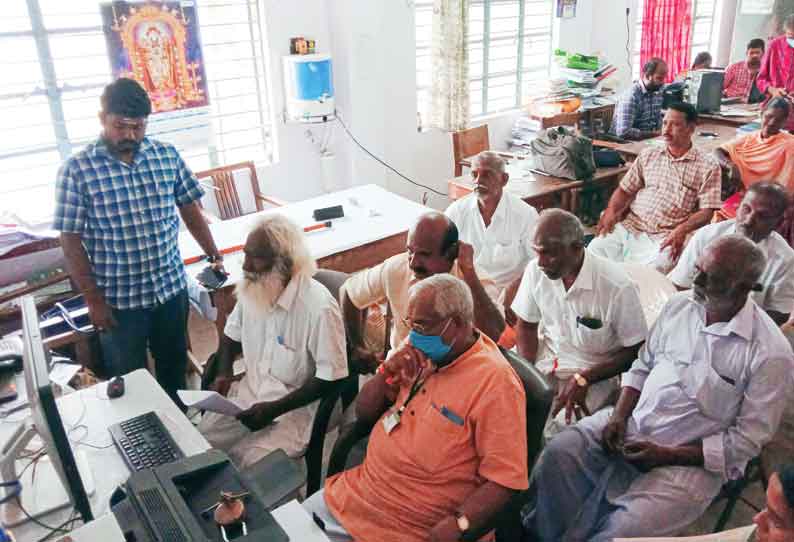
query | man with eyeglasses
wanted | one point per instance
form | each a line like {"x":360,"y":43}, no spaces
{"x":448,"y":446}
{"x":706,"y":393}
{"x":116,"y":203}
{"x":759,"y":214}
{"x":580,"y":319}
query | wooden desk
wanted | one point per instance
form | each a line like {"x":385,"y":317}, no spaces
{"x":543,"y":191}
{"x":725,"y":134}
{"x":753,"y":111}
{"x":375,"y":227}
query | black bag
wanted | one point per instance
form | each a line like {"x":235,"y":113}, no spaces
{"x":561,"y":153}
{"x":607,"y":158}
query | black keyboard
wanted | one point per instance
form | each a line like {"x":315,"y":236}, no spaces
{"x":144,"y":442}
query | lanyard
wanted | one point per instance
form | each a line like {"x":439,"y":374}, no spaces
{"x":415,"y":387}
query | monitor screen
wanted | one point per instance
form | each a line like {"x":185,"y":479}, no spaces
{"x":44,"y":411}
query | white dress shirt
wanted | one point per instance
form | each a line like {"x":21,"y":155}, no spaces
{"x":777,"y":278}
{"x":504,"y":247}
{"x":725,"y":384}
{"x":602,"y":290}
{"x":303,"y":336}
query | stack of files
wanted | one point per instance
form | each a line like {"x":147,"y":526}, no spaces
{"x":524,"y":130}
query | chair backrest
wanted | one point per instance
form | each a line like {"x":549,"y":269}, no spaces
{"x":539,"y":394}
{"x":467,"y":143}
{"x":236,"y":190}
{"x":655,"y":289}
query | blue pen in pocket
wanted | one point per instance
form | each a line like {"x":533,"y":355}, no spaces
{"x":448,"y":414}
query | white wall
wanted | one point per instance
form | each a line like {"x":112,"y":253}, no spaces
{"x":373,"y":47}
{"x":748,"y":27}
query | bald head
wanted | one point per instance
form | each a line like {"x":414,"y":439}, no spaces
{"x":559,"y":226}
{"x":432,"y":245}
{"x":559,"y":244}
{"x":739,"y":258}
{"x":727,"y":270}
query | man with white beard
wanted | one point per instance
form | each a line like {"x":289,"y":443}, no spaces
{"x":290,"y":331}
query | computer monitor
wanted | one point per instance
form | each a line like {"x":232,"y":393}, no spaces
{"x":705,"y":90}
{"x":45,"y":418}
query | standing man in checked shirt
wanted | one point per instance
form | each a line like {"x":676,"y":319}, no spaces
{"x":116,"y":206}
{"x":638,"y":113}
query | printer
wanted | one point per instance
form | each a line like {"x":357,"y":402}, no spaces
{"x":174,"y":503}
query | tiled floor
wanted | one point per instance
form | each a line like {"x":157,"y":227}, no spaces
{"x":204,"y":342}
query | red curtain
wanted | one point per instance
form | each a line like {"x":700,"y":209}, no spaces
{"x":667,"y":34}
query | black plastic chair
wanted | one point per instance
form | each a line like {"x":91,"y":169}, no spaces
{"x":539,"y":394}
{"x":732,"y":492}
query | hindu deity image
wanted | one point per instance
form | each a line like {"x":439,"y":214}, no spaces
{"x":157,"y":44}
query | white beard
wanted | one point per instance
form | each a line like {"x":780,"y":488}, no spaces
{"x":260,"y":294}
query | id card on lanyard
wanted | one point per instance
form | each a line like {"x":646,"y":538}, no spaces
{"x":392,"y":420}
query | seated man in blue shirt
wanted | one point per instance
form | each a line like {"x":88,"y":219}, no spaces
{"x":638,"y":113}
{"x":706,"y":393}
{"x":116,"y":208}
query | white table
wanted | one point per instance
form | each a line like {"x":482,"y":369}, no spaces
{"x":373,"y":215}
{"x":142,"y":394}
{"x":295,"y":521}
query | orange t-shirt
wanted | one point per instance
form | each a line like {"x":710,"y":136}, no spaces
{"x":770,"y":159}
{"x":431,"y":462}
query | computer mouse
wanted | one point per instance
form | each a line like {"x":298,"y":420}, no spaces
{"x":116,"y":387}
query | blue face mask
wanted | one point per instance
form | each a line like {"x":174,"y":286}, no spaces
{"x":790,"y":42}
{"x":432,"y":346}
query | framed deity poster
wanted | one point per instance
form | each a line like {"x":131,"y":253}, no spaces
{"x":157,"y":43}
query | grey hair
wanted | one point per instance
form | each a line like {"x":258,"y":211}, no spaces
{"x":289,"y":245}
{"x":569,"y":228}
{"x":451,"y":296}
{"x":489,"y":159}
{"x":744,"y":256}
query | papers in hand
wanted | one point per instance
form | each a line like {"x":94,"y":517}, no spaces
{"x":209,"y":400}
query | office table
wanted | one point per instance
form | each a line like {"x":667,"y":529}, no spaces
{"x":753,"y":111}
{"x":375,"y":227}
{"x":543,"y":191}
{"x":724,"y":134}
{"x":90,"y":408}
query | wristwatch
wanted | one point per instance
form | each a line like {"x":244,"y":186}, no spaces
{"x":463,"y":522}
{"x":580,"y":380}
{"x":215,"y":258}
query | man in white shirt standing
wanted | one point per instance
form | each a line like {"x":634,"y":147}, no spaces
{"x":498,"y":224}
{"x":580,"y":319}
{"x":760,"y":212}
{"x":290,"y":331}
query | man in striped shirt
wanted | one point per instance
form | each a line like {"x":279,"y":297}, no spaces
{"x":116,"y":203}
{"x":638,"y":113}
{"x":740,"y":76}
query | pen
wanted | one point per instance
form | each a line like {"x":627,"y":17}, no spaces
{"x":228,"y":250}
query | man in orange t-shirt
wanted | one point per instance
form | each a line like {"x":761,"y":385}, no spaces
{"x":448,"y":446}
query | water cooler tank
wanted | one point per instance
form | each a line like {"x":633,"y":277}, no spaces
{"x":308,"y":87}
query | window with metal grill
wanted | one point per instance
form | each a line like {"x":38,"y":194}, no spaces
{"x":510,"y":45}
{"x":55,"y":65}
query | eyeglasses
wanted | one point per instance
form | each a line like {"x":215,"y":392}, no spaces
{"x":424,"y":329}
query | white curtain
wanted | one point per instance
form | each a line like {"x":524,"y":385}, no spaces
{"x":449,"y":93}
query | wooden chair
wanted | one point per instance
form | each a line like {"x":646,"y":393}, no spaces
{"x":236,"y":191}
{"x":469,"y":143}
{"x":466,"y":143}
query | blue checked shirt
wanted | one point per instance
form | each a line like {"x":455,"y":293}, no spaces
{"x":637,"y":111}
{"x":127,"y":218}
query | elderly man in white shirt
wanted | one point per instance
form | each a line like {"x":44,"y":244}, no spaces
{"x":580,"y":319}
{"x":706,"y":393}
{"x":291,"y":334}
{"x":759,"y":214}
{"x":498,"y":224}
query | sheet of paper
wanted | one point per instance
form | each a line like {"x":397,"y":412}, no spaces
{"x":62,"y":373}
{"x":741,"y":534}
{"x":209,"y":400}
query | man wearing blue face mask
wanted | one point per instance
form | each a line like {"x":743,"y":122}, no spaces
{"x":777,"y":67}
{"x":448,"y":446}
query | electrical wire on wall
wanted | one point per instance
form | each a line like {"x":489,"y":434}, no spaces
{"x":381,"y":161}
{"x":628,"y":39}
